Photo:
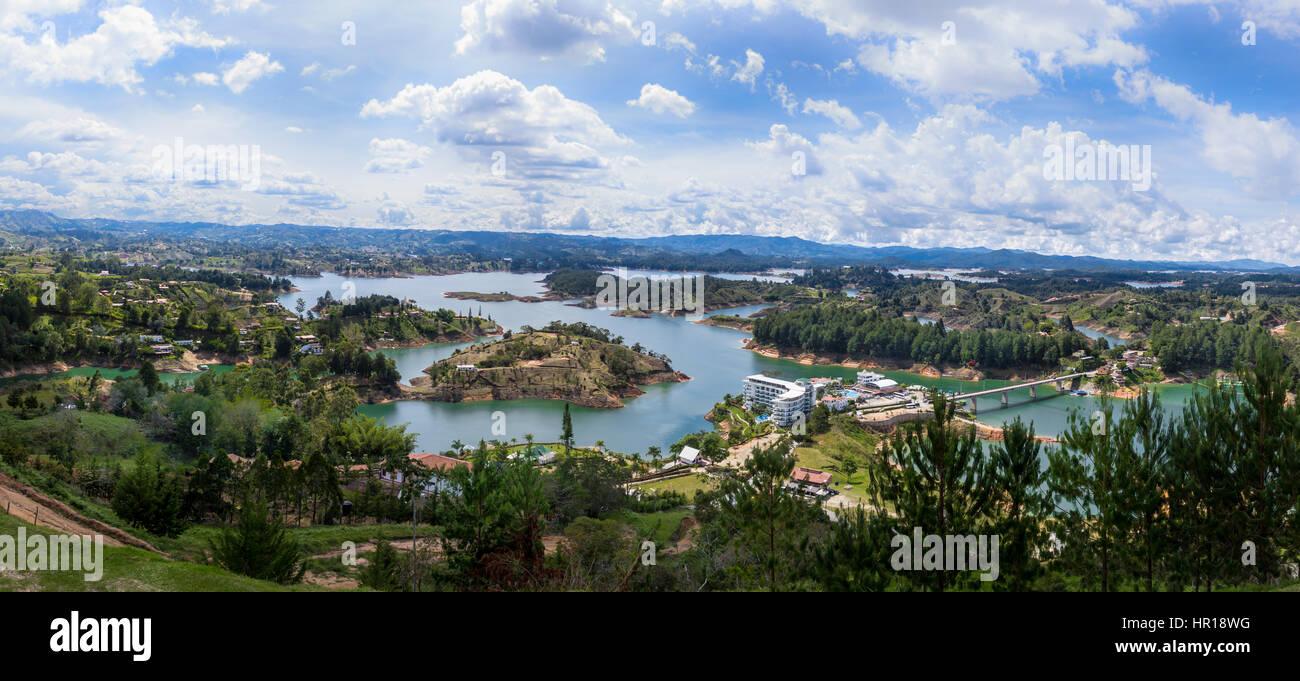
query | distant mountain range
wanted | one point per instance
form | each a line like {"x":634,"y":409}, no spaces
{"x":742,"y":251}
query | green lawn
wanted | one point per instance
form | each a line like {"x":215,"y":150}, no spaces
{"x":687,"y":484}
{"x":130,"y":569}
{"x":841,"y":439}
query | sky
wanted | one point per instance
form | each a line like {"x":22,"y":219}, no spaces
{"x":865,"y":122}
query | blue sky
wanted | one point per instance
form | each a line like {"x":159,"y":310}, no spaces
{"x":848,"y":121}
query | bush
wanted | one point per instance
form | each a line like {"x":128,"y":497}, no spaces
{"x":150,"y":498}
{"x":259,"y":546}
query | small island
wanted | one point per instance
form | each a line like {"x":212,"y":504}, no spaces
{"x":499,"y":297}
{"x":578,"y":363}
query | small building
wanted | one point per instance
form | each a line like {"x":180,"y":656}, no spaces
{"x":689,"y":456}
{"x":162,"y":349}
{"x":835,"y":403}
{"x":811,"y":476}
{"x":311,"y":349}
{"x":147,"y":338}
{"x":185,"y":343}
{"x":881,"y":386}
{"x":466,"y":367}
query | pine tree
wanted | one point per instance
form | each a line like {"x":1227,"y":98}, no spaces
{"x":1023,"y":502}
{"x":935,"y":476}
{"x":566,"y":429}
{"x":771,"y":523}
{"x":1088,"y":474}
{"x":259,"y":546}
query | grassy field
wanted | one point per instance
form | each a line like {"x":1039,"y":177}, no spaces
{"x":193,"y":543}
{"x":132,"y":569}
{"x":842,"y":440}
{"x":657,"y":527}
{"x":687,"y":484}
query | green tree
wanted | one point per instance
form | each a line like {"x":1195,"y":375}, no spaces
{"x":770,"y":522}
{"x":259,"y":546}
{"x":149,"y":377}
{"x":934,"y":474}
{"x":1088,"y":474}
{"x":150,"y":497}
{"x":384,"y":571}
{"x":1024,"y":503}
{"x":854,"y":554}
{"x":566,"y":429}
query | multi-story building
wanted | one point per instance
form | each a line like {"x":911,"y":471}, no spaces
{"x":783,"y":398}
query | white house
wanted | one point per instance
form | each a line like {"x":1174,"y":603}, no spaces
{"x":689,"y":456}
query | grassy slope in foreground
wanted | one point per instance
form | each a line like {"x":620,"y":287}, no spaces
{"x":544,"y":365}
{"x":130,"y":569}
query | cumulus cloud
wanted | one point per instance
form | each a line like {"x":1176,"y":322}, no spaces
{"x":303,"y":189}
{"x":127,"y":37}
{"x":1263,"y":154}
{"x":996,"y":49}
{"x":74,"y":131}
{"x":654,"y":97}
{"x":395,"y":214}
{"x":251,"y":67}
{"x":541,"y":132}
{"x":395,"y":156}
{"x":543,"y":28}
{"x":791,"y":146}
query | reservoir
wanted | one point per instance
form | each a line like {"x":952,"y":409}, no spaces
{"x":712,"y":357}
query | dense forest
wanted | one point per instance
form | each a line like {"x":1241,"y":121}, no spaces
{"x":867,"y":333}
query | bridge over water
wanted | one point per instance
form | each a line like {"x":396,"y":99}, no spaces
{"x":1059,"y":381}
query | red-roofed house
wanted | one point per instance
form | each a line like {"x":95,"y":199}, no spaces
{"x":811,"y":476}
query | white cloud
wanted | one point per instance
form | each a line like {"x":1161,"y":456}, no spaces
{"x":235,"y":6}
{"x":1280,"y":17}
{"x":677,"y":41}
{"x":1264,"y":154}
{"x":325,"y":74}
{"x":785,"y":144}
{"x":303,"y":189}
{"x":831,"y":109}
{"x":541,"y":132}
{"x":73,"y":131}
{"x":395,"y":156}
{"x":543,"y":28}
{"x":251,"y":67}
{"x":18,"y":14}
{"x":782,"y":95}
{"x":204,"y":78}
{"x":395,"y":214}
{"x":127,"y":37}
{"x":748,"y":72}
{"x":999,"y":49}
{"x":659,"y":99}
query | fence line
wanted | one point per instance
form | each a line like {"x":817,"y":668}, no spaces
{"x":36,"y":512}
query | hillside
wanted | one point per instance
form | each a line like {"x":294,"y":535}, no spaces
{"x":574,"y":363}
{"x":271,"y":248}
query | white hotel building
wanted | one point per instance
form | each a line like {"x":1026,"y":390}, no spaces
{"x":783,"y":398}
